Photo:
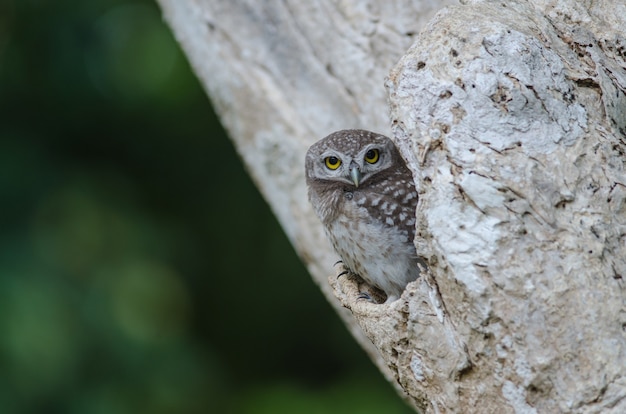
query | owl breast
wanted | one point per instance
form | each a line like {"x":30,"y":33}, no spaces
{"x":372,"y":246}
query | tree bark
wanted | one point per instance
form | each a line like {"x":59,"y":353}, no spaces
{"x":512,"y":116}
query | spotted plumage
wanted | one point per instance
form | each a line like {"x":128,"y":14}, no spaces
{"x":364,"y":194}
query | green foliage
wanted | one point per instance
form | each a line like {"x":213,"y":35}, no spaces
{"x":139,"y":266}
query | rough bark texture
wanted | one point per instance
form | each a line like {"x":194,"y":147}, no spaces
{"x":512,"y":116}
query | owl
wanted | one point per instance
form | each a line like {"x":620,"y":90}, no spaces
{"x":364,"y":195}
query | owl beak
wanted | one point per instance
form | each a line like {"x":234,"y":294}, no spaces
{"x":355,"y":173}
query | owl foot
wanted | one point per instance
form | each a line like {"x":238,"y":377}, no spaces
{"x":357,"y":297}
{"x":361,"y":290}
{"x":345,"y":270}
{"x":366,"y":296}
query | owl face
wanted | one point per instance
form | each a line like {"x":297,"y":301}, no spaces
{"x":350,"y":157}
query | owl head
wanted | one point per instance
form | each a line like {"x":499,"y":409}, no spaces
{"x":348,"y":162}
{"x":350,"y":157}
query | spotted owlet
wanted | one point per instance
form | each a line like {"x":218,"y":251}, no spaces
{"x":364,"y":194}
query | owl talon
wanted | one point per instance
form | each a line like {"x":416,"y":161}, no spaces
{"x":365,"y":296}
{"x":345,"y":270}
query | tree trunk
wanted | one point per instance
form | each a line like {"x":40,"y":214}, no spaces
{"x":512,"y":116}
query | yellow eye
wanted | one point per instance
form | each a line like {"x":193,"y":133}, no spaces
{"x":372,"y":156}
{"x":332,"y":163}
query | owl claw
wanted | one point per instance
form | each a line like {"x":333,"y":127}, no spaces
{"x":365,"y":296}
{"x":345,"y":270}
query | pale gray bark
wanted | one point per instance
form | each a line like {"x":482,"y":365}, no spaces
{"x":512,"y":116}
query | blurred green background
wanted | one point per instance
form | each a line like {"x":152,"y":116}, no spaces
{"x":131,"y":280}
